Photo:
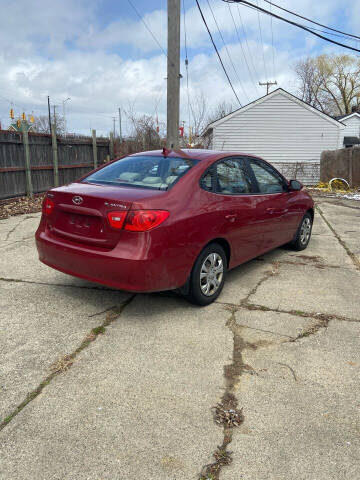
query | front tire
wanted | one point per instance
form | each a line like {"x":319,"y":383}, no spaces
{"x":303,"y":234}
{"x":208,"y":275}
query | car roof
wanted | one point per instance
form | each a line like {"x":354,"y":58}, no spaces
{"x":195,"y":154}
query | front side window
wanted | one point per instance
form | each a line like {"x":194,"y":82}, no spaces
{"x":268,"y":180}
{"x":232,"y":177}
{"x":158,"y":173}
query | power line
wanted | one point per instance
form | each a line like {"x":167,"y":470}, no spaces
{"x":245,"y":36}
{"x":251,"y":5}
{"x":261,"y":40}
{"x":217,"y":52}
{"x":227,"y":51}
{"x":242,"y":48}
{"x":312,"y":21}
{"x":272,"y":42}
{"x":148,"y":28}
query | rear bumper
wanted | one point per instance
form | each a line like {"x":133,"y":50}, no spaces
{"x":136,"y":273}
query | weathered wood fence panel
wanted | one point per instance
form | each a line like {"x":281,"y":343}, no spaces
{"x":342,"y":163}
{"x":75,"y":159}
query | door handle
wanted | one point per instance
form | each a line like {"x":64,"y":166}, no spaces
{"x":270,"y":210}
{"x":231,"y":217}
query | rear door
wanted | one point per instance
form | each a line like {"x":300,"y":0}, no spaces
{"x":276,"y":210}
{"x":234,"y":189}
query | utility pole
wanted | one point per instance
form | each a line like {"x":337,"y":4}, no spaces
{"x":268,"y":84}
{"x":114,"y":118}
{"x":54,"y":107}
{"x":50,"y":129}
{"x":120,"y":132}
{"x":173,"y":74}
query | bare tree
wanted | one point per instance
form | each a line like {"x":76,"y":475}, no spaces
{"x":198,"y":109}
{"x":330,"y":82}
{"x":220,"y":111}
{"x":41,"y":124}
{"x":145,"y":134}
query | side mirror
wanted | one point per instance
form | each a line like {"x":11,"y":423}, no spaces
{"x":295,"y":185}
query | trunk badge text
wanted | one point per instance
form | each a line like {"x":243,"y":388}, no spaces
{"x":120,"y":205}
{"x":77,"y":200}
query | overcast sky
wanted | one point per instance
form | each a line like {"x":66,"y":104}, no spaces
{"x":99,"y":53}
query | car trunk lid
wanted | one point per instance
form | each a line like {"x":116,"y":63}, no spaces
{"x":80,"y":213}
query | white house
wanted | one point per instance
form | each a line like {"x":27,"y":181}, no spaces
{"x":282,"y":129}
{"x":351,"y":132}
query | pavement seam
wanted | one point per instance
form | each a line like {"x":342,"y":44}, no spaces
{"x":65,"y":362}
{"x":351,"y":254}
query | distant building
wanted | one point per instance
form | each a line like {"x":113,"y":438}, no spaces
{"x":351,"y":133}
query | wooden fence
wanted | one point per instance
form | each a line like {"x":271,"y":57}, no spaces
{"x":343,"y":163}
{"x":33,"y":163}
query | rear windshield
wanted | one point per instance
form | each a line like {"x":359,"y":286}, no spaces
{"x":158,"y":173}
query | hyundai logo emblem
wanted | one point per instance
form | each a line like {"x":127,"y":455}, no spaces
{"x":77,"y":200}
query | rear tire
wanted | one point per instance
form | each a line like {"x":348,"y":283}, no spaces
{"x":303,"y":234}
{"x":208,"y":275}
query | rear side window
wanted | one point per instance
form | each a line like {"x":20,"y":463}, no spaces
{"x":232,"y":177}
{"x":268,"y":180}
{"x":158,"y":173}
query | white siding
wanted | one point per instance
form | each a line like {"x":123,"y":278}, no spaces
{"x":280,"y":130}
{"x":307,"y":173}
{"x":352,"y":127}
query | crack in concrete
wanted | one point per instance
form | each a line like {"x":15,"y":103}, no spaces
{"x":103,"y":311}
{"x":227,"y":412}
{"x":16,"y":280}
{"x":351,"y":254}
{"x":227,"y":409}
{"x":15,"y":227}
{"x":23,"y":240}
{"x":265,"y":331}
{"x":65,"y":362}
{"x":299,"y":313}
{"x":268,"y":274}
{"x":290,"y":368}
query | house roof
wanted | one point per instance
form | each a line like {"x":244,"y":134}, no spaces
{"x":348,"y":115}
{"x":270,"y":95}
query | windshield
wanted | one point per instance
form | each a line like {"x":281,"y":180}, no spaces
{"x":158,"y":173}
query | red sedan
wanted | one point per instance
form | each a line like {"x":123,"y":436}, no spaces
{"x":164,"y":220}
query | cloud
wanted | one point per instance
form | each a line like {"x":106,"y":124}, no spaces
{"x":69,"y":49}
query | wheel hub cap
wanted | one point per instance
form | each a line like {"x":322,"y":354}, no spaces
{"x":211,"y":274}
{"x":305,"y":231}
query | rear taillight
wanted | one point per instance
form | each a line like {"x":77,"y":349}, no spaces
{"x":116,"y":219}
{"x":144,"y":220}
{"x":137,"y":220}
{"x":48,"y":206}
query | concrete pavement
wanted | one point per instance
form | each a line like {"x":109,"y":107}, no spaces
{"x":99,"y":384}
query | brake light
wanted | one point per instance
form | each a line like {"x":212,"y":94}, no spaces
{"x":144,"y":220}
{"x":116,"y":219}
{"x":48,"y":206}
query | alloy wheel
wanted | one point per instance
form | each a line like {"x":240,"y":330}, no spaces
{"x":211,"y":274}
{"x":305,"y":231}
